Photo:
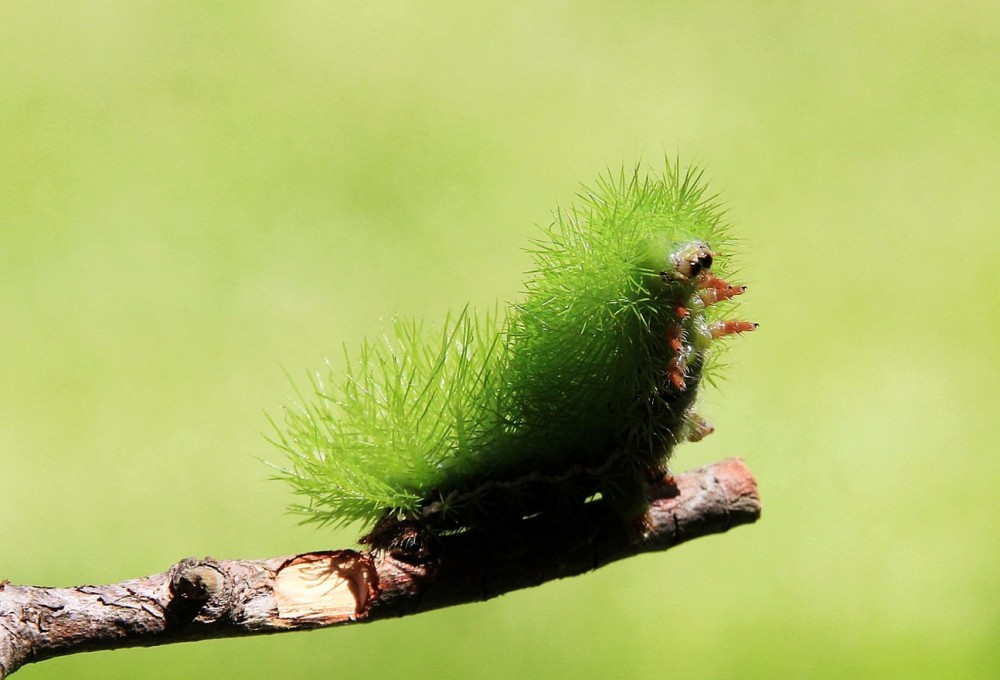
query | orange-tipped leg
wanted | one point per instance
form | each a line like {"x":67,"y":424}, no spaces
{"x":720,"y":329}
{"x":713,"y":289}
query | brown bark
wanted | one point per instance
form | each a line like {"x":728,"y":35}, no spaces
{"x":201,"y":599}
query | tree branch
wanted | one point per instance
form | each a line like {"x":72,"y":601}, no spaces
{"x":200,"y":599}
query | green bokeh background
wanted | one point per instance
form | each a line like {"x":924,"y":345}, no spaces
{"x":195,"y":197}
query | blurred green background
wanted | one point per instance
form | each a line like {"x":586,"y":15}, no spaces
{"x":195,"y":197}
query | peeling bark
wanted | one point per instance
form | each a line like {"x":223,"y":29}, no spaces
{"x":207,"y":598}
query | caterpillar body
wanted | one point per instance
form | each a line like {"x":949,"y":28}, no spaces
{"x":580,"y":391}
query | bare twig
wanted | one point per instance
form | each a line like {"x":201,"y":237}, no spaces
{"x":206,"y":598}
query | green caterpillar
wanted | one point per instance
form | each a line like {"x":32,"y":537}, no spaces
{"x":579,"y":391}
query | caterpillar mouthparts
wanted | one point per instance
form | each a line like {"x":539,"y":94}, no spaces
{"x":578,"y":395}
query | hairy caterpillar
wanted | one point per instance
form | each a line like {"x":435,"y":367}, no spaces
{"x":581,"y":390}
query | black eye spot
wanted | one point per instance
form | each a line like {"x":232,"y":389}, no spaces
{"x":706,"y":261}
{"x":695,"y":268}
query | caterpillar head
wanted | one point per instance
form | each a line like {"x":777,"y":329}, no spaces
{"x":688,"y":260}
{"x":670,"y":267}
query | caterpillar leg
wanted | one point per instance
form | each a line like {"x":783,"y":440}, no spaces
{"x":698,"y":427}
{"x":712,"y":289}
{"x":720,"y":329}
{"x":677,"y":365}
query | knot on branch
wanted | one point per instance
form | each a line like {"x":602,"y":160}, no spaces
{"x":198,"y":587}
